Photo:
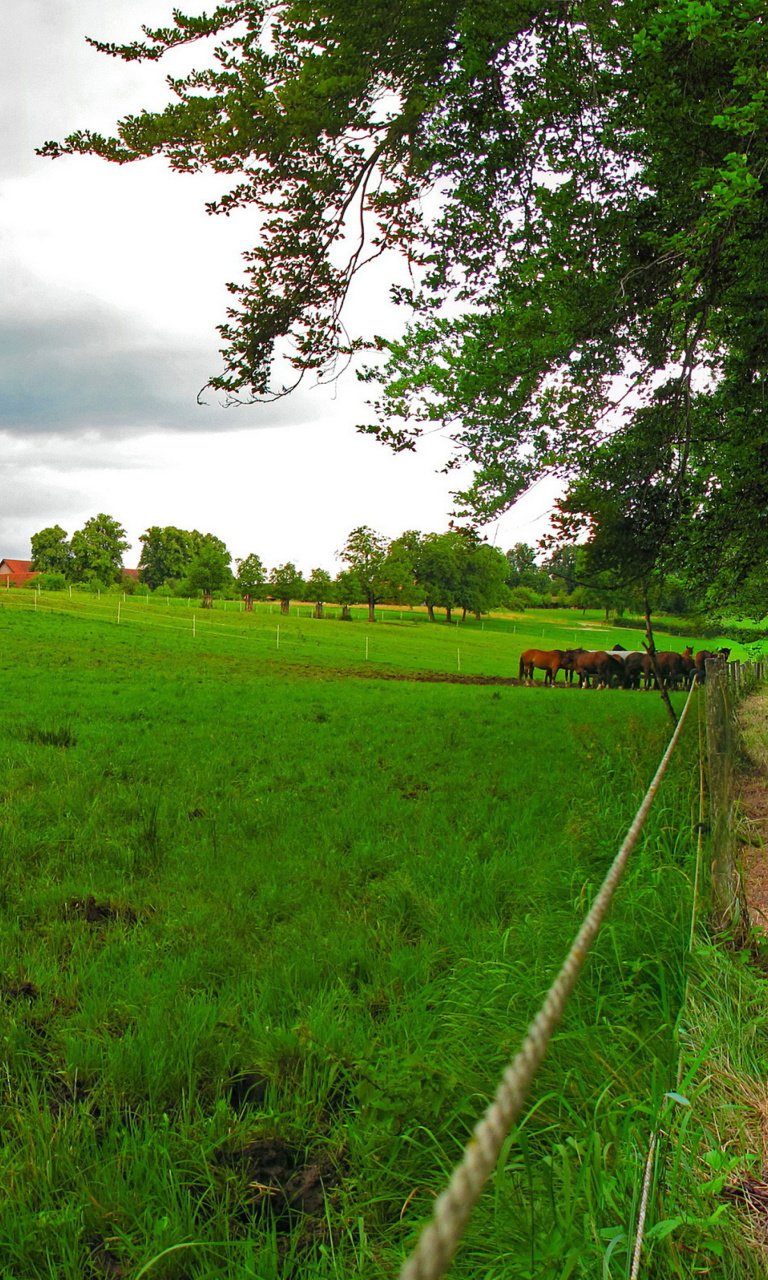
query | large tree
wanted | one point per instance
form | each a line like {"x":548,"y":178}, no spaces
{"x":210,"y":568}
{"x":97,"y":550}
{"x":365,"y":553}
{"x":51,"y":552}
{"x":594,"y":262}
{"x":286,"y":583}
{"x":166,"y":554}
{"x":251,"y":579}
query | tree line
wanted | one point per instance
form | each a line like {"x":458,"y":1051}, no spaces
{"x":446,"y":571}
{"x":451,"y":570}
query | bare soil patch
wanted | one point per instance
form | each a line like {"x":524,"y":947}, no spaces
{"x":753,"y":807}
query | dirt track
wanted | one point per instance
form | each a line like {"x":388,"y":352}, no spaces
{"x":753,"y":808}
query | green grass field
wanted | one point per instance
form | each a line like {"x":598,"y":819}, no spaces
{"x":271,"y":931}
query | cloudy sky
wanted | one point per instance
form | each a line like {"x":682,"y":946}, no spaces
{"x":113,"y":285}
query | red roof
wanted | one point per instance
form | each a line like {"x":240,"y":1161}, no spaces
{"x":16,"y":566}
{"x":131,"y":573}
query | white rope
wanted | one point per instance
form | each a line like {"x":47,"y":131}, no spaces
{"x":643,"y":1210}
{"x":440,"y":1238}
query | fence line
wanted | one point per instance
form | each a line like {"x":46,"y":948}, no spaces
{"x":441,"y":1236}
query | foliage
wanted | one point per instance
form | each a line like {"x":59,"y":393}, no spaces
{"x":593,"y":263}
{"x":97,"y":551}
{"x":51,"y":553}
{"x":319,"y":586}
{"x":209,"y":569}
{"x":347,"y":590}
{"x":286,"y":583}
{"x":365,"y":552}
{"x":166,"y":553}
{"x":522,"y":570}
{"x":51,"y":582}
{"x":251,"y":577}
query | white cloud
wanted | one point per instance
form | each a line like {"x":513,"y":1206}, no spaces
{"x":114,"y":280}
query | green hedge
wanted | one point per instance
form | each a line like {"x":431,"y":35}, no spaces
{"x":715,"y":631}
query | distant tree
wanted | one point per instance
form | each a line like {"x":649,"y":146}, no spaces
{"x":439,"y":570}
{"x":166,"y":553}
{"x":51,"y":553}
{"x":319,"y":588}
{"x":210,"y":569}
{"x":347,"y":590}
{"x":251,"y":579}
{"x":483,"y":579}
{"x":286,"y":584}
{"x":365,"y":552}
{"x":561,"y":567}
{"x":399,"y":570}
{"x":523,"y":570}
{"x":97,"y":550}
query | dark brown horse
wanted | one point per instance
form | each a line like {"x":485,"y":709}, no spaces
{"x":603,"y":668}
{"x":673,"y":667}
{"x":633,"y":660}
{"x":548,"y":661}
{"x":568,"y":664}
{"x":699,"y":671}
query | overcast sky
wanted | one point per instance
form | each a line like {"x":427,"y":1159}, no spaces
{"x":114,"y":280}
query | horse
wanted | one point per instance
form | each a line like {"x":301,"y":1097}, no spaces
{"x":633,"y":660}
{"x":673,"y":667}
{"x":568,"y":664}
{"x":548,"y":661}
{"x":600,"y":666}
{"x":699,"y":669}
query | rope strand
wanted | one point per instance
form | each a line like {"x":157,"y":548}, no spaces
{"x":440,"y":1238}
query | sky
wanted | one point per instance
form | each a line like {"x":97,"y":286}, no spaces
{"x":113,"y":283}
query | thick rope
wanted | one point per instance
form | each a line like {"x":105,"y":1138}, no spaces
{"x":643,"y":1210}
{"x":440,"y":1238}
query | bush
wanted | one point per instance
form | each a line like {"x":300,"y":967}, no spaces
{"x":51,"y":582}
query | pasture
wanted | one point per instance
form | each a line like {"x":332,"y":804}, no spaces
{"x":270,"y":933}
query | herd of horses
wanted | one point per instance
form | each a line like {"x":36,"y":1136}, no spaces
{"x":619,"y":667}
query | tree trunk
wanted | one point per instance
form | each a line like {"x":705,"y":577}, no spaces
{"x":431,"y":612}
{"x":318,"y":613}
{"x":371,"y":610}
{"x":651,"y":650}
{"x":448,"y":617}
{"x":207,"y":600}
{"x":285,"y":606}
{"x":248,"y":602}
{"x":346,"y":616}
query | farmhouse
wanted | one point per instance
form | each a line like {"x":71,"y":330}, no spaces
{"x":14,"y":573}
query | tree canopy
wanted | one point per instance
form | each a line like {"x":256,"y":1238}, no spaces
{"x":97,"y":550}
{"x":590,"y":262}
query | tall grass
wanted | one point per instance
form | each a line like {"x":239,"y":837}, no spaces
{"x":269,"y":936}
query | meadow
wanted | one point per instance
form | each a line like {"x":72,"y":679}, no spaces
{"x":270,"y":932}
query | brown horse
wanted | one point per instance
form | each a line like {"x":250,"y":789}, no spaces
{"x":548,"y":661}
{"x":699,"y":672}
{"x":604,"y":668}
{"x":673,"y":667}
{"x":568,"y":664}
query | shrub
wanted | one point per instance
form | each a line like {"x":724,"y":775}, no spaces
{"x":51,"y":582}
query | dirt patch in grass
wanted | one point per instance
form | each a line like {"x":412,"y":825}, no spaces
{"x":753,"y":804}
{"x":11,"y":992}
{"x":102,"y":1261}
{"x":98,"y":912}
{"x":275,"y":1178}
